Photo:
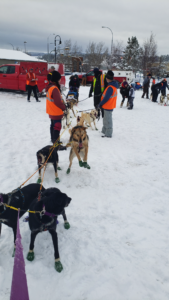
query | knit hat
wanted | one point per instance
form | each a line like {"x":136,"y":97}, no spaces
{"x":110,"y":75}
{"x":52,"y":68}
{"x":96,"y":70}
{"x":125,"y":83}
{"x":55,"y":76}
{"x":149,"y":74}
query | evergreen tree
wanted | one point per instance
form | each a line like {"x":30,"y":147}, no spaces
{"x":131,"y":59}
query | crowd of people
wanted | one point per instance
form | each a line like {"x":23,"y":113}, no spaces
{"x":104,"y":92}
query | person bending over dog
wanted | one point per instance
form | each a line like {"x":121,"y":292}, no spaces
{"x":108,"y":103}
{"x":52,"y":203}
{"x":19,"y":198}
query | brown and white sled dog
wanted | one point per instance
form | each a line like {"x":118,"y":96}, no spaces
{"x":79,"y":146}
{"x":90,"y":117}
{"x":66,"y":118}
{"x":162,"y":100}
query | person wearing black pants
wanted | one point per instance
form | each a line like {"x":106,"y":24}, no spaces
{"x":31,"y":88}
{"x":156,"y":90}
{"x":55,"y":106}
{"x":98,"y":89}
{"x":31,"y":82}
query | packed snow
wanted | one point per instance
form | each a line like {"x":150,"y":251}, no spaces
{"x":117,"y":246}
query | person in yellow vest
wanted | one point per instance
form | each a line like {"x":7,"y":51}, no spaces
{"x":108,"y":103}
{"x":54,"y":105}
{"x":31,"y":82}
{"x":97,"y":87}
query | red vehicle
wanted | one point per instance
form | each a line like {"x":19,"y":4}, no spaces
{"x":13,"y":76}
{"x":119,"y":76}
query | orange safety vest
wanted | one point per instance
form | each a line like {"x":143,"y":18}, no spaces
{"x":154,"y":81}
{"x":28,"y":81}
{"x":111,"y":103}
{"x":51,"y":108}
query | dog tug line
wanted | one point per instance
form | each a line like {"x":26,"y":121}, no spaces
{"x":19,"y":188}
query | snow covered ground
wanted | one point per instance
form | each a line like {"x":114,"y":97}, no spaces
{"x":118,"y":244}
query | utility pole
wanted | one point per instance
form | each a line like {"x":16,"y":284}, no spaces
{"x":111,"y":49}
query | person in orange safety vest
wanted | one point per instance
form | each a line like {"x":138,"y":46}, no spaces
{"x":108,"y":103}
{"x":54,"y":105}
{"x":31,"y":82}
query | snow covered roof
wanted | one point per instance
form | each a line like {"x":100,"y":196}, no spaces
{"x":16,"y":55}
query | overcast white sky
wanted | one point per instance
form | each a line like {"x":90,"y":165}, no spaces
{"x":34,"y":20}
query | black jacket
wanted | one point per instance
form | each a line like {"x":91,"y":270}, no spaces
{"x":97,"y":90}
{"x":125,"y":91}
{"x":74,"y":81}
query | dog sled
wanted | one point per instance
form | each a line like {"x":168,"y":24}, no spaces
{"x":72,"y":95}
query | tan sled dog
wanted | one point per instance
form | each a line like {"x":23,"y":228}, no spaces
{"x":90,"y":117}
{"x":79,"y":146}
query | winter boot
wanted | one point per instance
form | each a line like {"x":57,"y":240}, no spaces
{"x":121,"y":105}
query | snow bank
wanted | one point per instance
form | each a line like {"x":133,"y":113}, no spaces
{"x":117,"y":246}
{"x":17,"y":55}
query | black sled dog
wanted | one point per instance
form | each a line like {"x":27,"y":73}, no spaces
{"x":42,"y":156}
{"x":51,"y":204}
{"x":19,"y":198}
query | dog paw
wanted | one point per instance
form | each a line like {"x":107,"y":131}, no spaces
{"x":30,"y":256}
{"x":66,"y":225}
{"x":39,"y":180}
{"x":68,"y":171}
{"x":58,"y":266}
{"x":85,"y":165}
{"x":80,"y":163}
{"x":96,"y":129}
{"x":59,"y":168}
{"x":13,"y":254}
{"x":57,"y":180}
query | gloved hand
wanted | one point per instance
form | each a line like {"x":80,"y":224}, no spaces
{"x":97,"y":107}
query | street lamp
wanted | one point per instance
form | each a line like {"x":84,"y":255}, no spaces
{"x":60,"y":42}
{"x":48,"y":45}
{"x":11,"y":45}
{"x":25,"y":46}
{"x":111,"y":52}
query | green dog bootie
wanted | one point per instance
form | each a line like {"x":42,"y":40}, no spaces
{"x":68,"y":171}
{"x":39,"y":180}
{"x":58,"y":266}
{"x":85,"y":165}
{"x":66,"y":225}
{"x":59,"y":168}
{"x":80,"y":163}
{"x":57,"y":180}
{"x":30,"y":256}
